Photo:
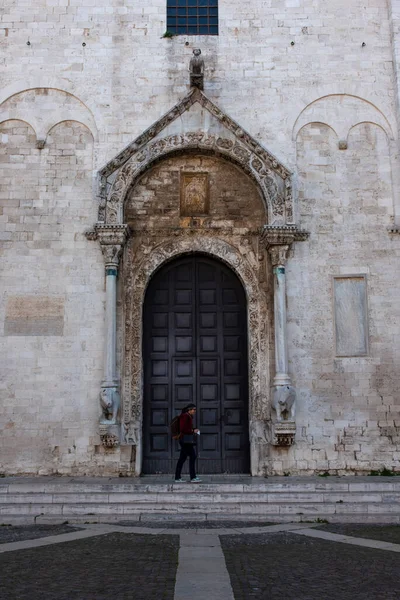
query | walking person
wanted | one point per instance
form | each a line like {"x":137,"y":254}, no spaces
{"x":187,"y":443}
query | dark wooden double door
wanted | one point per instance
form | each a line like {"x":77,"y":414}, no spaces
{"x":195,"y":350}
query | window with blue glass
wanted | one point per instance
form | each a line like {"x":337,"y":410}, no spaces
{"x":192,"y":17}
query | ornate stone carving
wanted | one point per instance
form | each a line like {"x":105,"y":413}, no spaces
{"x":237,"y":146}
{"x":112,"y":239}
{"x":258,"y":432}
{"x":283,"y":434}
{"x":278,"y":239}
{"x":132,"y":433}
{"x":278,"y":255}
{"x":149,"y":257}
{"x":111,"y":254}
{"x":196,"y":68}
{"x":286,"y":234}
{"x":265,"y":178}
{"x":110,"y":402}
{"x":284,"y":402}
{"x":194,"y":194}
{"x":91,"y":235}
{"x":109,"y":440}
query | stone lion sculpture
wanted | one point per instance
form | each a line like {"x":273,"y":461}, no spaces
{"x":109,"y":401}
{"x":283,"y":402}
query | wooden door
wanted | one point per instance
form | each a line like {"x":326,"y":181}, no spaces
{"x":195,"y":350}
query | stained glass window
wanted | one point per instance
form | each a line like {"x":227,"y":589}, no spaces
{"x":192,"y":17}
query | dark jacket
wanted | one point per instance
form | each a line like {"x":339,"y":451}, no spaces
{"x":185,"y":424}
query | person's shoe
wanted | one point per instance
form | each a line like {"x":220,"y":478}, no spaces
{"x":180,"y":481}
{"x":195,"y":480}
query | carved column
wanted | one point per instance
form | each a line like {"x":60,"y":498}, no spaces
{"x":278,"y":241}
{"x":112,"y":239}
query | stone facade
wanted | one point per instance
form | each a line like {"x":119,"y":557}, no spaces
{"x":98,"y":125}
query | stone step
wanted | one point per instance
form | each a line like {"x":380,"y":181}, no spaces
{"x":197,"y":495}
{"x":140,"y":519}
{"x":260,"y":508}
{"x":354,"y":499}
{"x":266,"y":487}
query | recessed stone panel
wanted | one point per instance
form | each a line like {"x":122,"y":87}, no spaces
{"x":351,"y":318}
{"x":34,"y":316}
{"x":194,"y":194}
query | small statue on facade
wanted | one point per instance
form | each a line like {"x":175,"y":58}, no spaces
{"x":132,"y":433}
{"x":283,"y":402}
{"x":109,"y":401}
{"x":196,"y":68}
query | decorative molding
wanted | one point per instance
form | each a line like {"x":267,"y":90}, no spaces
{"x":279,"y":254}
{"x":139,"y":268}
{"x":194,"y":96}
{"x":272,"y":177}
{"x":283,"y":434}
{"x":394,"y":229}
{"x":272,"y":235}
{"x":112,"y":238}
{"x":110,"y":436}
{"x":277,"y":240}
{"x":276,"y":191}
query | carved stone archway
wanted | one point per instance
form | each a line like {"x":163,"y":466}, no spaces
{"x":137,"y":277}
{"x":231,"y":141}
{"x":195,"y":125}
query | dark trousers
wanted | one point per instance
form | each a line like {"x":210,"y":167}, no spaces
{"x":187,"y":450}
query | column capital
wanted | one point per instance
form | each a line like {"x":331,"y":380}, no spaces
{"x":112,"y":238}
{"x":279,"y":255}
{"x":278,"y":239}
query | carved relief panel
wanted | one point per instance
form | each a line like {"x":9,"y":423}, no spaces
{"x":194,"y":194}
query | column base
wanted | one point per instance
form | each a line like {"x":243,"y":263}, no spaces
{"x":281,"y":379}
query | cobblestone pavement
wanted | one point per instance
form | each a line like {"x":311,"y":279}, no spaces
{"x":136,"y":566}
{"x":385,"y":533}
{"x":11,"y":533}
{"x":273,"y":566}
{"x":118,"y":566}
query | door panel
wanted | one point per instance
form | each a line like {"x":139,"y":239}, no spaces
{"x":195,"y":350}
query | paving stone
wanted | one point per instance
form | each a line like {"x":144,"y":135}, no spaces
{"x":9,"y":533}
{"x":273,"y":566}
{"x":385,"y":533}
{"x":116,"y":565}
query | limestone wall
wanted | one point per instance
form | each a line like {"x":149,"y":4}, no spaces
{"x":51,"y":302}
{"x":79,"y":81}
